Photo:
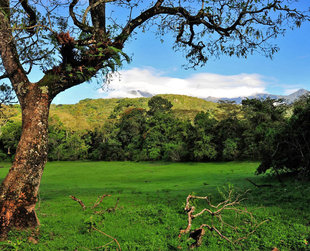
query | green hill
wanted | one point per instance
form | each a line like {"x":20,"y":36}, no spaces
{"x":91,"y":113}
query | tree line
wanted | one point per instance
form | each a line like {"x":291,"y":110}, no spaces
{"x":264,"y":130}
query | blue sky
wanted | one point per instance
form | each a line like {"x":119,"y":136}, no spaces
{"x":156,"y":68}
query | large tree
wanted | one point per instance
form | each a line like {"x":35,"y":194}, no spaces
{"x":73,"y":41}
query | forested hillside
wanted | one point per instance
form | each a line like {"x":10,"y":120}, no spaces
{"x":88,"y":113}
{"x":174,"y":128}
{"x":91,"y":113}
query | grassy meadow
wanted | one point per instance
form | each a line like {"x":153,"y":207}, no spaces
{"x":150,"y":211}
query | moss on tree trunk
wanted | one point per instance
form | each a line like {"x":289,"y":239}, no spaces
{"x":19,"y":190}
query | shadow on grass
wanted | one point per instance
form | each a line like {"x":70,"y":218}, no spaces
{"x":289,"y":199}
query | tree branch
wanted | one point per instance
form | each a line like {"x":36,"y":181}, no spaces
{"x":10,"y":60}
{"x":31,"y":15}
{"x":80,"y":25}
{"x":93,"y":6}
{"x":241,"y":14}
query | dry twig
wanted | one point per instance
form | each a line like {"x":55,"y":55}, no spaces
{"x":79,"y":201}
{"x":97,"y":203}
{"x":109,"y":237}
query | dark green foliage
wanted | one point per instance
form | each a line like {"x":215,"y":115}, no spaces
{"x":291,"y":152}
{"x":64,"y":144}
{"x":97,"y":144}
{"x":263,"y":120}
{"x":57,"y":135}
{"x":134,"y":134}
{"x":9,"y":137}
{"x":131,"y":128}
{"x":203,"y":147}
{"x":158,"y":104}
{"x":228,"y":133}
{"x":165,"y":138}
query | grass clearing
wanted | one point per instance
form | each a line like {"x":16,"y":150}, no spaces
{"x":150,"y":210}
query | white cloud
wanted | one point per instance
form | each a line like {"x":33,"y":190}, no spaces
{"x":134,"y":82}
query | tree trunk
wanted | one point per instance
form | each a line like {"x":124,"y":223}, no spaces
{"x":19,"y":190}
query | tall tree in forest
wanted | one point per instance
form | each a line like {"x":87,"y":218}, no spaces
{"x":72,"y":42}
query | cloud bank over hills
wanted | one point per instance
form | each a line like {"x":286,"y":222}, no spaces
{"x":148,"y":82}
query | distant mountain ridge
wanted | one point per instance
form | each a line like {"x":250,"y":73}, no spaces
{"x":291,"y":98}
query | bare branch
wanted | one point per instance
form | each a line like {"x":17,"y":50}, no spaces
{"x":97,"y":203}
{"x":3,"y":76}
{"x":82,"y":26}
{"x":32,"y":16}
{"x":14,"y":70}
{"x":79,"y":201}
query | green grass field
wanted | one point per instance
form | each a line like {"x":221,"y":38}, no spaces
{"x":150,"y":211}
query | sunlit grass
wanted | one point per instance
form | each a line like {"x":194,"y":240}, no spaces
{"x":151,"y":201}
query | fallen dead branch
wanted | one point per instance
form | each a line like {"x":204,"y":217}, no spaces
{"x":96,"y":204}
{"x":79,"y":201}
{"x":92,"y":226}
{"x":216,"y":218}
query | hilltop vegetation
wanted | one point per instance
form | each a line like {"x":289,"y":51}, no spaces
{"x":91,"y":113}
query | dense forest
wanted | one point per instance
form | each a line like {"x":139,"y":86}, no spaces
{"x":150,"y":130}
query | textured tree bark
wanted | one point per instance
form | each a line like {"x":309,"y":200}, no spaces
{"x":19,"y":190}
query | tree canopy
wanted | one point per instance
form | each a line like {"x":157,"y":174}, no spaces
{"x":72,"y":40}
